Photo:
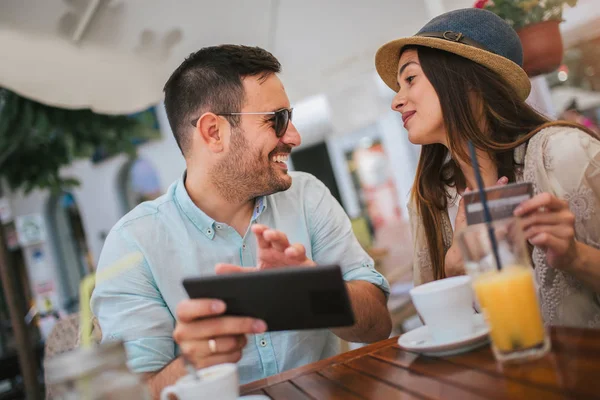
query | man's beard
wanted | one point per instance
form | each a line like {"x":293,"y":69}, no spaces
{"x":245,"y":173}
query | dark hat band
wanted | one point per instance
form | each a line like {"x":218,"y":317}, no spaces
{"x":453,"y":37}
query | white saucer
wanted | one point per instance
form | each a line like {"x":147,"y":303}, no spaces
{"x":420,"y":341}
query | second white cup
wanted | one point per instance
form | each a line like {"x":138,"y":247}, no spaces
{"x":219,"y":382}
{"x":446,"y":306}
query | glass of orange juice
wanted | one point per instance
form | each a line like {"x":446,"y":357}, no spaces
{"x":507,"y":294}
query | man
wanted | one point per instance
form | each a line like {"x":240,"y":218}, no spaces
{"x":231,"y":118}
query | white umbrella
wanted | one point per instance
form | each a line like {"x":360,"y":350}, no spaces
{"x":81,"y":54}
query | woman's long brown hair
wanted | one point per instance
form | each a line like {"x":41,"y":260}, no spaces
{"x":509,"y":123}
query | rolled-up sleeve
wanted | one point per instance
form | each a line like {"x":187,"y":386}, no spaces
{"x":332,"y":238}
{"x":130,"y":308}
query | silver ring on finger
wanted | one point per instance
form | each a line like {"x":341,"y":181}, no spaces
{"x":212,"y":345}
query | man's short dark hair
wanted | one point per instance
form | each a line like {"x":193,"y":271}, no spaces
{"x":211,"y":80}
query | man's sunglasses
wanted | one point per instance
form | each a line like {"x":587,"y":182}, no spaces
{"x":281,"y":119}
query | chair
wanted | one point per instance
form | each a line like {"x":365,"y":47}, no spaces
{"x":66,"y":336}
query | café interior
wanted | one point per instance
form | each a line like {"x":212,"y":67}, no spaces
{"x":81,"y":63}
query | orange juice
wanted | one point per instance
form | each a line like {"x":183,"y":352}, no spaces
{"x":511,"y":307}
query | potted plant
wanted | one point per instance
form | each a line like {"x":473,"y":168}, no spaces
{"x":536,"y":23}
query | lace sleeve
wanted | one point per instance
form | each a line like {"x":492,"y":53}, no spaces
{"x":571,"y":159}
{"x":565,"y":161}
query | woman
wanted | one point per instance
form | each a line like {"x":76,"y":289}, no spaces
{"x":460,"y":79}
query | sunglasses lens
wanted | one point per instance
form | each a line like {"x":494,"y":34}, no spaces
{"x":282,"y":119}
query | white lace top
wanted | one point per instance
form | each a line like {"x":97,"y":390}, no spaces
{"x":563,"y":161}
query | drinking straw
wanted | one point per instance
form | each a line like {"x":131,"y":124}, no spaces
{"x":486,"y":211}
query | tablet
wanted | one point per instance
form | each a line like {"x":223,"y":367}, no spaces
{"x":289,"y":298}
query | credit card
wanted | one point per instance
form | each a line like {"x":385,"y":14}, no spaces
{"x":501,"y":201}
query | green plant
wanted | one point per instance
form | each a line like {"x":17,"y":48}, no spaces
{"x":520,"y":13}
{"x":37,"y":140}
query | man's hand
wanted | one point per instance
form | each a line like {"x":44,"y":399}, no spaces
{"x":206,"y":337}
{"x":274,"y":251}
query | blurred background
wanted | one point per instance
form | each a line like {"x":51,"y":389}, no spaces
{"x":84,"y":137}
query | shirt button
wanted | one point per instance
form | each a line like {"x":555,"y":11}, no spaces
{"x":219,"y":226}
{"x":263,"y":343}
{"x":244,"y":246}
{"x":209,"y":231}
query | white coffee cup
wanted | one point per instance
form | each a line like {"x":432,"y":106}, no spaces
{"x":446,"y":306}
{"x":219,"y":382}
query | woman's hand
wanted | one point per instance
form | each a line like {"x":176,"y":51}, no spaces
{"x":454,"y":262}
{"x":548,"y":223}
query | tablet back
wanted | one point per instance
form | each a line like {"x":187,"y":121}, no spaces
{"x":290,"y":298}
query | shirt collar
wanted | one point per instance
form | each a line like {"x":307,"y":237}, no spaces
{"x":260,"y":205}
{"x":203,"y":222}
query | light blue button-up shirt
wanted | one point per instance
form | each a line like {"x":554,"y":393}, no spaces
{"x":178,"y":240}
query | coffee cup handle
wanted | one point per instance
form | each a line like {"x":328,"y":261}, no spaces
{"x":168,"y":391}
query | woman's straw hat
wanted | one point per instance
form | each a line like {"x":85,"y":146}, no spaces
{"x":473,"y":33}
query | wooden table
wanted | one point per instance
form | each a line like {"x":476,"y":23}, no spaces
{"x":384,"y":371}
